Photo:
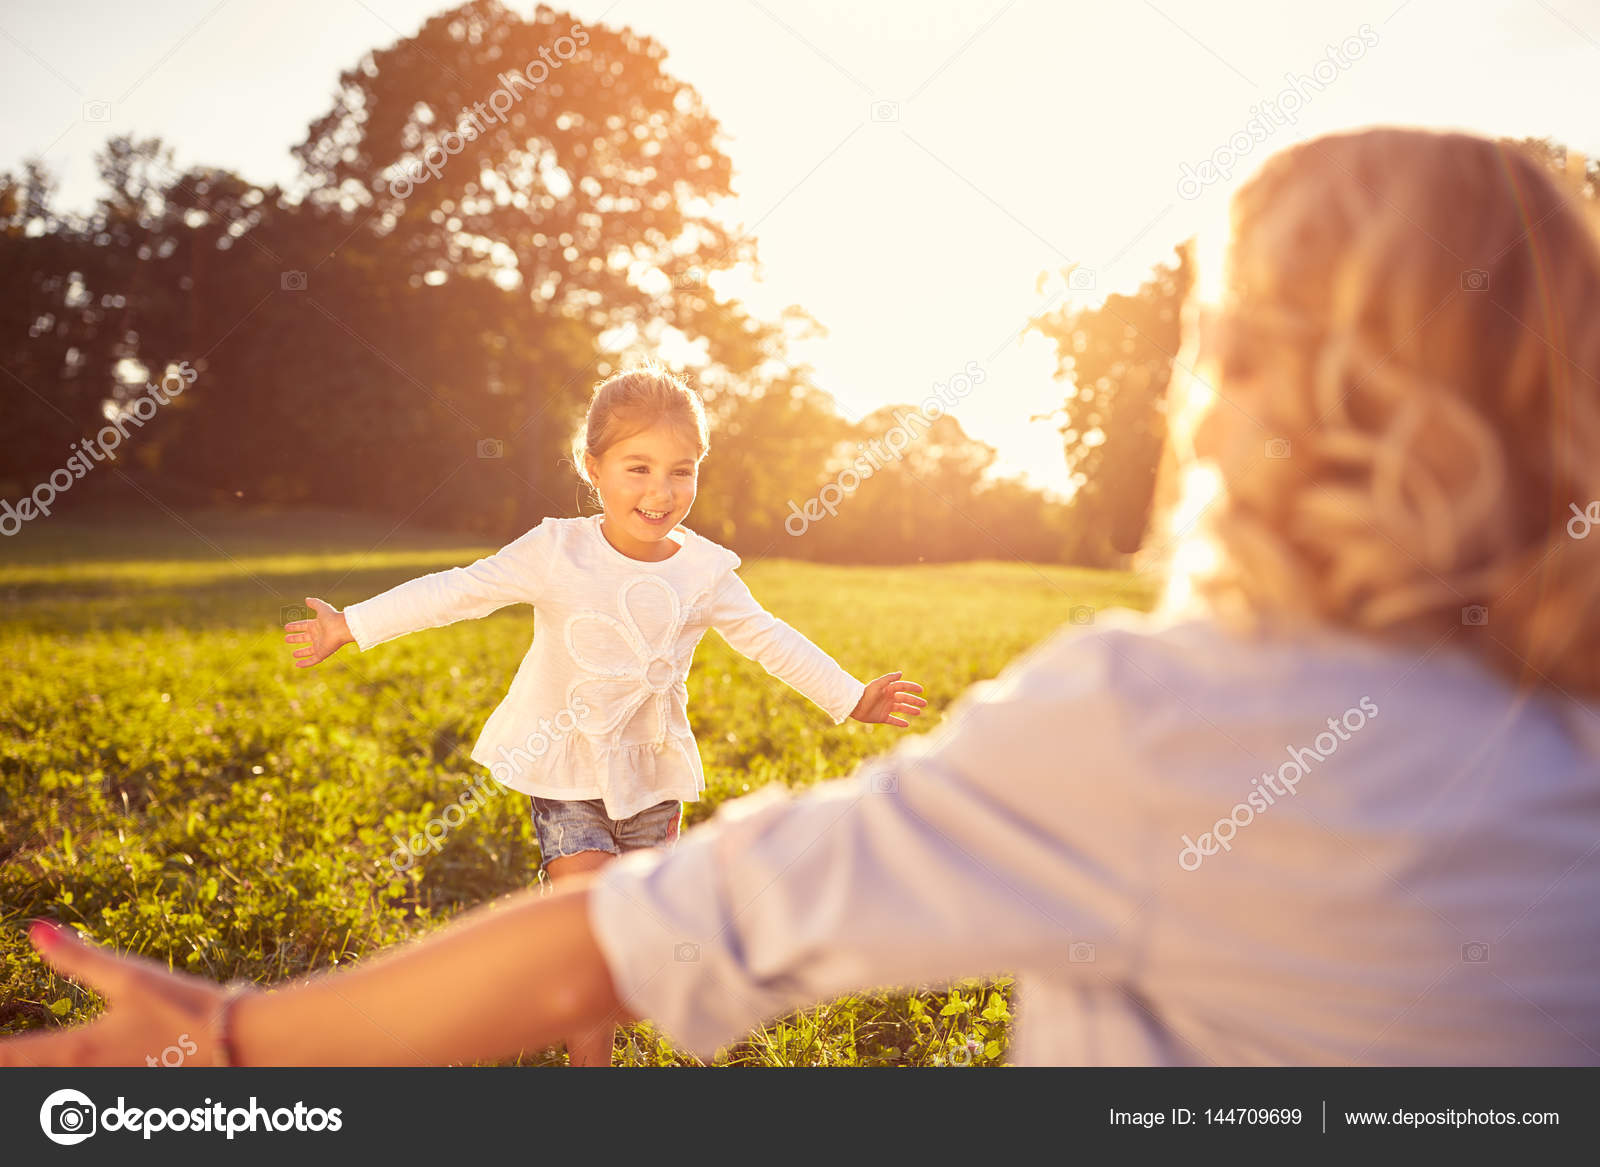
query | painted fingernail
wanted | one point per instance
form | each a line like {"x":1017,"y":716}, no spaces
{"x":43,"y":933}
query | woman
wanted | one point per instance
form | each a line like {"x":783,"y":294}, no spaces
{"x":1344,"y":807}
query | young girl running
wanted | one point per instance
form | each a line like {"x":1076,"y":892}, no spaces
{"x":594,"y":728}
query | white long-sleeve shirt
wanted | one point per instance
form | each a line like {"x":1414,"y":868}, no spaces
{"x":1426,"y":891}
{"x":598,"y":707}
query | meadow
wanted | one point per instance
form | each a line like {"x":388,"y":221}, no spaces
{"x":171,"y":785}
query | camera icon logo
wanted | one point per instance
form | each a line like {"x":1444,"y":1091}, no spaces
{"x":97,"y":111}
{"x":491,"y":448}
{"x":1081,"y":953}
{"x":885,"y":111}
{"x":67,"y":1117}
{"x":1277,"y":447}
{"x":1475,"y":952}
{"x":1080,"y":614}
{"x":292,"y":612}
{"x":1082,"y":279}
{"x":1475,"y":279}
{"x":1475,"y":615}
{"x":689,"y":278}
{"x":882,"y":782}
{"x":293,"y":281}
{"x":686,"y":953}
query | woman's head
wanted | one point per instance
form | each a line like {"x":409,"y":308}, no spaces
{"x":1406,"y":370}
{"x":640,"y":448}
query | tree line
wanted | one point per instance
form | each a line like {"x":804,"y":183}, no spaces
{"x":491,"y":216}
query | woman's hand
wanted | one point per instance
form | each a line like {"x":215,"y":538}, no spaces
{"x":886,"y":697}
{"x":151,"y":1009}
{"x":512,"y":975}
{"x":323,"y":635}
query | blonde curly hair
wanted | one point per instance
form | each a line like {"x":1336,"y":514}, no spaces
{"x":1405,"y":362}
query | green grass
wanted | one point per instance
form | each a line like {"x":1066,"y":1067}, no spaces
{"x":171,"y":785}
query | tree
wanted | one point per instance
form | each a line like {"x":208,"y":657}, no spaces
{"x":1118,"y":357}
{"x":907,"y":484}
{"x":52,"y":319}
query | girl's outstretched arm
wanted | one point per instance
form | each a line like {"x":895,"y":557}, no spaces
{"x":889,"y":700}
{"x":784,"y":652}
{"x":324,"y":634}
{"x":514,"y":574}
{"x":521,"y":973}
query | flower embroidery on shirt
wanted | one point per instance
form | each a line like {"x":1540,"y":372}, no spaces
{"x":633,"y":665}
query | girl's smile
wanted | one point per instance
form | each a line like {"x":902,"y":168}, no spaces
{"x":647,"y":484}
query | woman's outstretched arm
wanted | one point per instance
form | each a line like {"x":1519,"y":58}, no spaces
{"x":518,"y":974}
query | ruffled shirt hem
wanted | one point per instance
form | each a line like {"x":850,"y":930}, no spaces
{"x":627,"y":778}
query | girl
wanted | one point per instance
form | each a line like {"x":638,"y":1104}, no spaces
{"x":1347,"y":813}
{"x":595,"y":728}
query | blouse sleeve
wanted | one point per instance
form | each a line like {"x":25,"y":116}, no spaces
{"x":514,"y":574}
{"x":777,"y":647}
{"x":997,"y":844}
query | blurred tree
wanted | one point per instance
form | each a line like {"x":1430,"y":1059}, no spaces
{"x":902,"y":486}
{"x":1582,"y":171}
{"x":52,"y":321}
{"x":1118,"y":357}
{"x":772,"y":428}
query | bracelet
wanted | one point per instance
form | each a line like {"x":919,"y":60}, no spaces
{"x":226,"y":1054}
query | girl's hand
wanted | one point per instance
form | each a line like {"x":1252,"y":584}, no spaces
{"x":151,"y":1009}
{"x":323,"y":635}
{"x":886,"y":697}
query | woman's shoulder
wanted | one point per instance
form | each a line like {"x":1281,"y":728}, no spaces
{"x":1150,"y":660}
{"x":1159,"y":670}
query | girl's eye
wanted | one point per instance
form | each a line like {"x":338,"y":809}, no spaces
{"x":684,"y":473}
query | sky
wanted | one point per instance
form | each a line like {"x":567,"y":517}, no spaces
{"x":911,"y":168}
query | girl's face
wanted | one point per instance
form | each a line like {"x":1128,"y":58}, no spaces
{"x":647,"y":484}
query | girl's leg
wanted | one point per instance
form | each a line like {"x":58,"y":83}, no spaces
{"x":594,"y":1047}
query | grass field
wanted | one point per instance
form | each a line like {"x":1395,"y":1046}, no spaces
{"x":171,"y":785}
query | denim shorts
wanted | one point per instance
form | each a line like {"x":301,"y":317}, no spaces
{"x":566,"y":827}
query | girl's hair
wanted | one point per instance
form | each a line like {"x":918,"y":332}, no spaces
{"x":1407,"y":349}
{"x":630,"y":402}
